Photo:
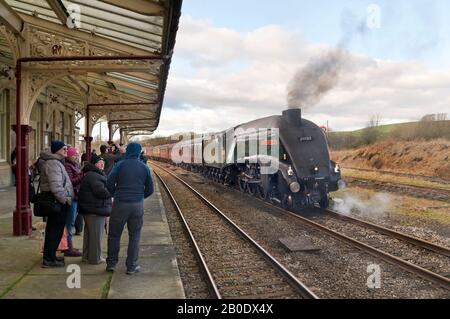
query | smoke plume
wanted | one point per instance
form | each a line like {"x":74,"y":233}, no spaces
{"x":321,"y":74}
{"x":316,"y":79}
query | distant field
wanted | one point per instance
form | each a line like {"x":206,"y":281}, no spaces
{"x":404,"y":132}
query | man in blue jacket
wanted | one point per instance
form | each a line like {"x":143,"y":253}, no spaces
{"x":130,"y":182}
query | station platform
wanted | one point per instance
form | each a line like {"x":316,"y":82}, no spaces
{"x":21,"y":274}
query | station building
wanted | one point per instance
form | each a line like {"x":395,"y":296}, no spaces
{"x":67,"y":64}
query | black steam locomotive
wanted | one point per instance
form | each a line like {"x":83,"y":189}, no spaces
{"x":283,"y":159}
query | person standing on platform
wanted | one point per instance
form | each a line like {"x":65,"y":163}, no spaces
{"x":130,"y":182}
{"x":74,"y":171}
{"x":109,"y":159}
{"x":55,"y":179}
{"x":95,"y":204}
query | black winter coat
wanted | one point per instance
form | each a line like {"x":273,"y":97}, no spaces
{"x":94,"y":198}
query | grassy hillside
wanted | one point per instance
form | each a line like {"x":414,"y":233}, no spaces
{"x":400,"y":132}
{"x":430,"y":158}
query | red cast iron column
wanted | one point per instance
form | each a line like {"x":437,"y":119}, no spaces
{"x":110,"y":130}
{"x":22,"y":213}
{"x":87,"y":136}
{"x":22,"y":216}
{"x":121,"y":136}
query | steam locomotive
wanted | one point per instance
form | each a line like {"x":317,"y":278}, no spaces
{"x":289,"y":166}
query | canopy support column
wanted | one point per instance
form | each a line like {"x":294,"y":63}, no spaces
{"x":22,"y":216}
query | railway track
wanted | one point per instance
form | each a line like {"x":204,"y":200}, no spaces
{"x":444,"y":251}
{"x":409,"y":266}
{"x":233,"y":264}
{"x":410,"y":190}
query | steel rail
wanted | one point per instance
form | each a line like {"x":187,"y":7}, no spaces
{"x":206,"y":272}
{"x":406,"y":265}
{"x":301,"y":288}
{"x":392,"y":233}
{"x":410,"y":267}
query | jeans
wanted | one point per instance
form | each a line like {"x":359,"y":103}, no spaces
{"x":70,"y":220}
{"x":79,"y":223}
{"x":54,"y":231}
{"x":131,"y":214}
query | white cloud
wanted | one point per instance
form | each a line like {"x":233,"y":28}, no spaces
{"x":235,"y":77}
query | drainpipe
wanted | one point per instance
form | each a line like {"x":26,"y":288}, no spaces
{"x":22,"y":214}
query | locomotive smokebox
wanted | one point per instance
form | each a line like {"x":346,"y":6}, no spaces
{"x":293,"y":116}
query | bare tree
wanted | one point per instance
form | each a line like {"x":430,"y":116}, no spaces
{"x":370,"y":133}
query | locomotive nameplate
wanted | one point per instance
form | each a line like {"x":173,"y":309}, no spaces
{"x":305,"y":139}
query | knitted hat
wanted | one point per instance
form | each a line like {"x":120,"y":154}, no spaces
{"x":56,"y":146}
{"x":72,"y":151}
{"x":97,"y":159}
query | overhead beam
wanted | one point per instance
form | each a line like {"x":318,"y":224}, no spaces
{"x":132,"y":121}
{"x":144,"y":76}
{"x":138,"y":128}
{"x":126,"y":84}
{"x":92,"y":39}
{"x":147,"y":129}
{"x":145,"y":7}
{"x":82,"y":69}
{"x":121,"y":110}
{"x":60,"y":11}
{"x":122,"y":104}
{"x":122,"y":94}
{"x":10,"y":18}
{"x":78,"y":84}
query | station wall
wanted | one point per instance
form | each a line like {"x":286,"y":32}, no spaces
{"x":48,"y":122}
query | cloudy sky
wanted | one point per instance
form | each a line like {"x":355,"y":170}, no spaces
{"x":234,"y":60}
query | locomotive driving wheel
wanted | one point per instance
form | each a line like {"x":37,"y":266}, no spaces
{"x":287,"y":202}
{"x":324,"y":201}
{"x":252,"y":188}
{"x":242,"y":184}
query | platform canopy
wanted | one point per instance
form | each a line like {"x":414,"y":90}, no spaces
{"x":128,"y":92}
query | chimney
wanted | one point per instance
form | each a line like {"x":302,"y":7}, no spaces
{"x":293,"y":116}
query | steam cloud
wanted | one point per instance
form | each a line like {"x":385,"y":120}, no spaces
{"x":375,"y":207}
{"x":321,"y":74}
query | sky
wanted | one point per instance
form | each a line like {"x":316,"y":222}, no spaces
{"x":234,"y":60}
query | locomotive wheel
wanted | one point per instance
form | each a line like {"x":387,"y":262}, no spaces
{"x":260,"y":192}
{"x":252,"y":189}
{"x":287,"y":202}
{"x":242,"y":185}
{"x":324,"y":201}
